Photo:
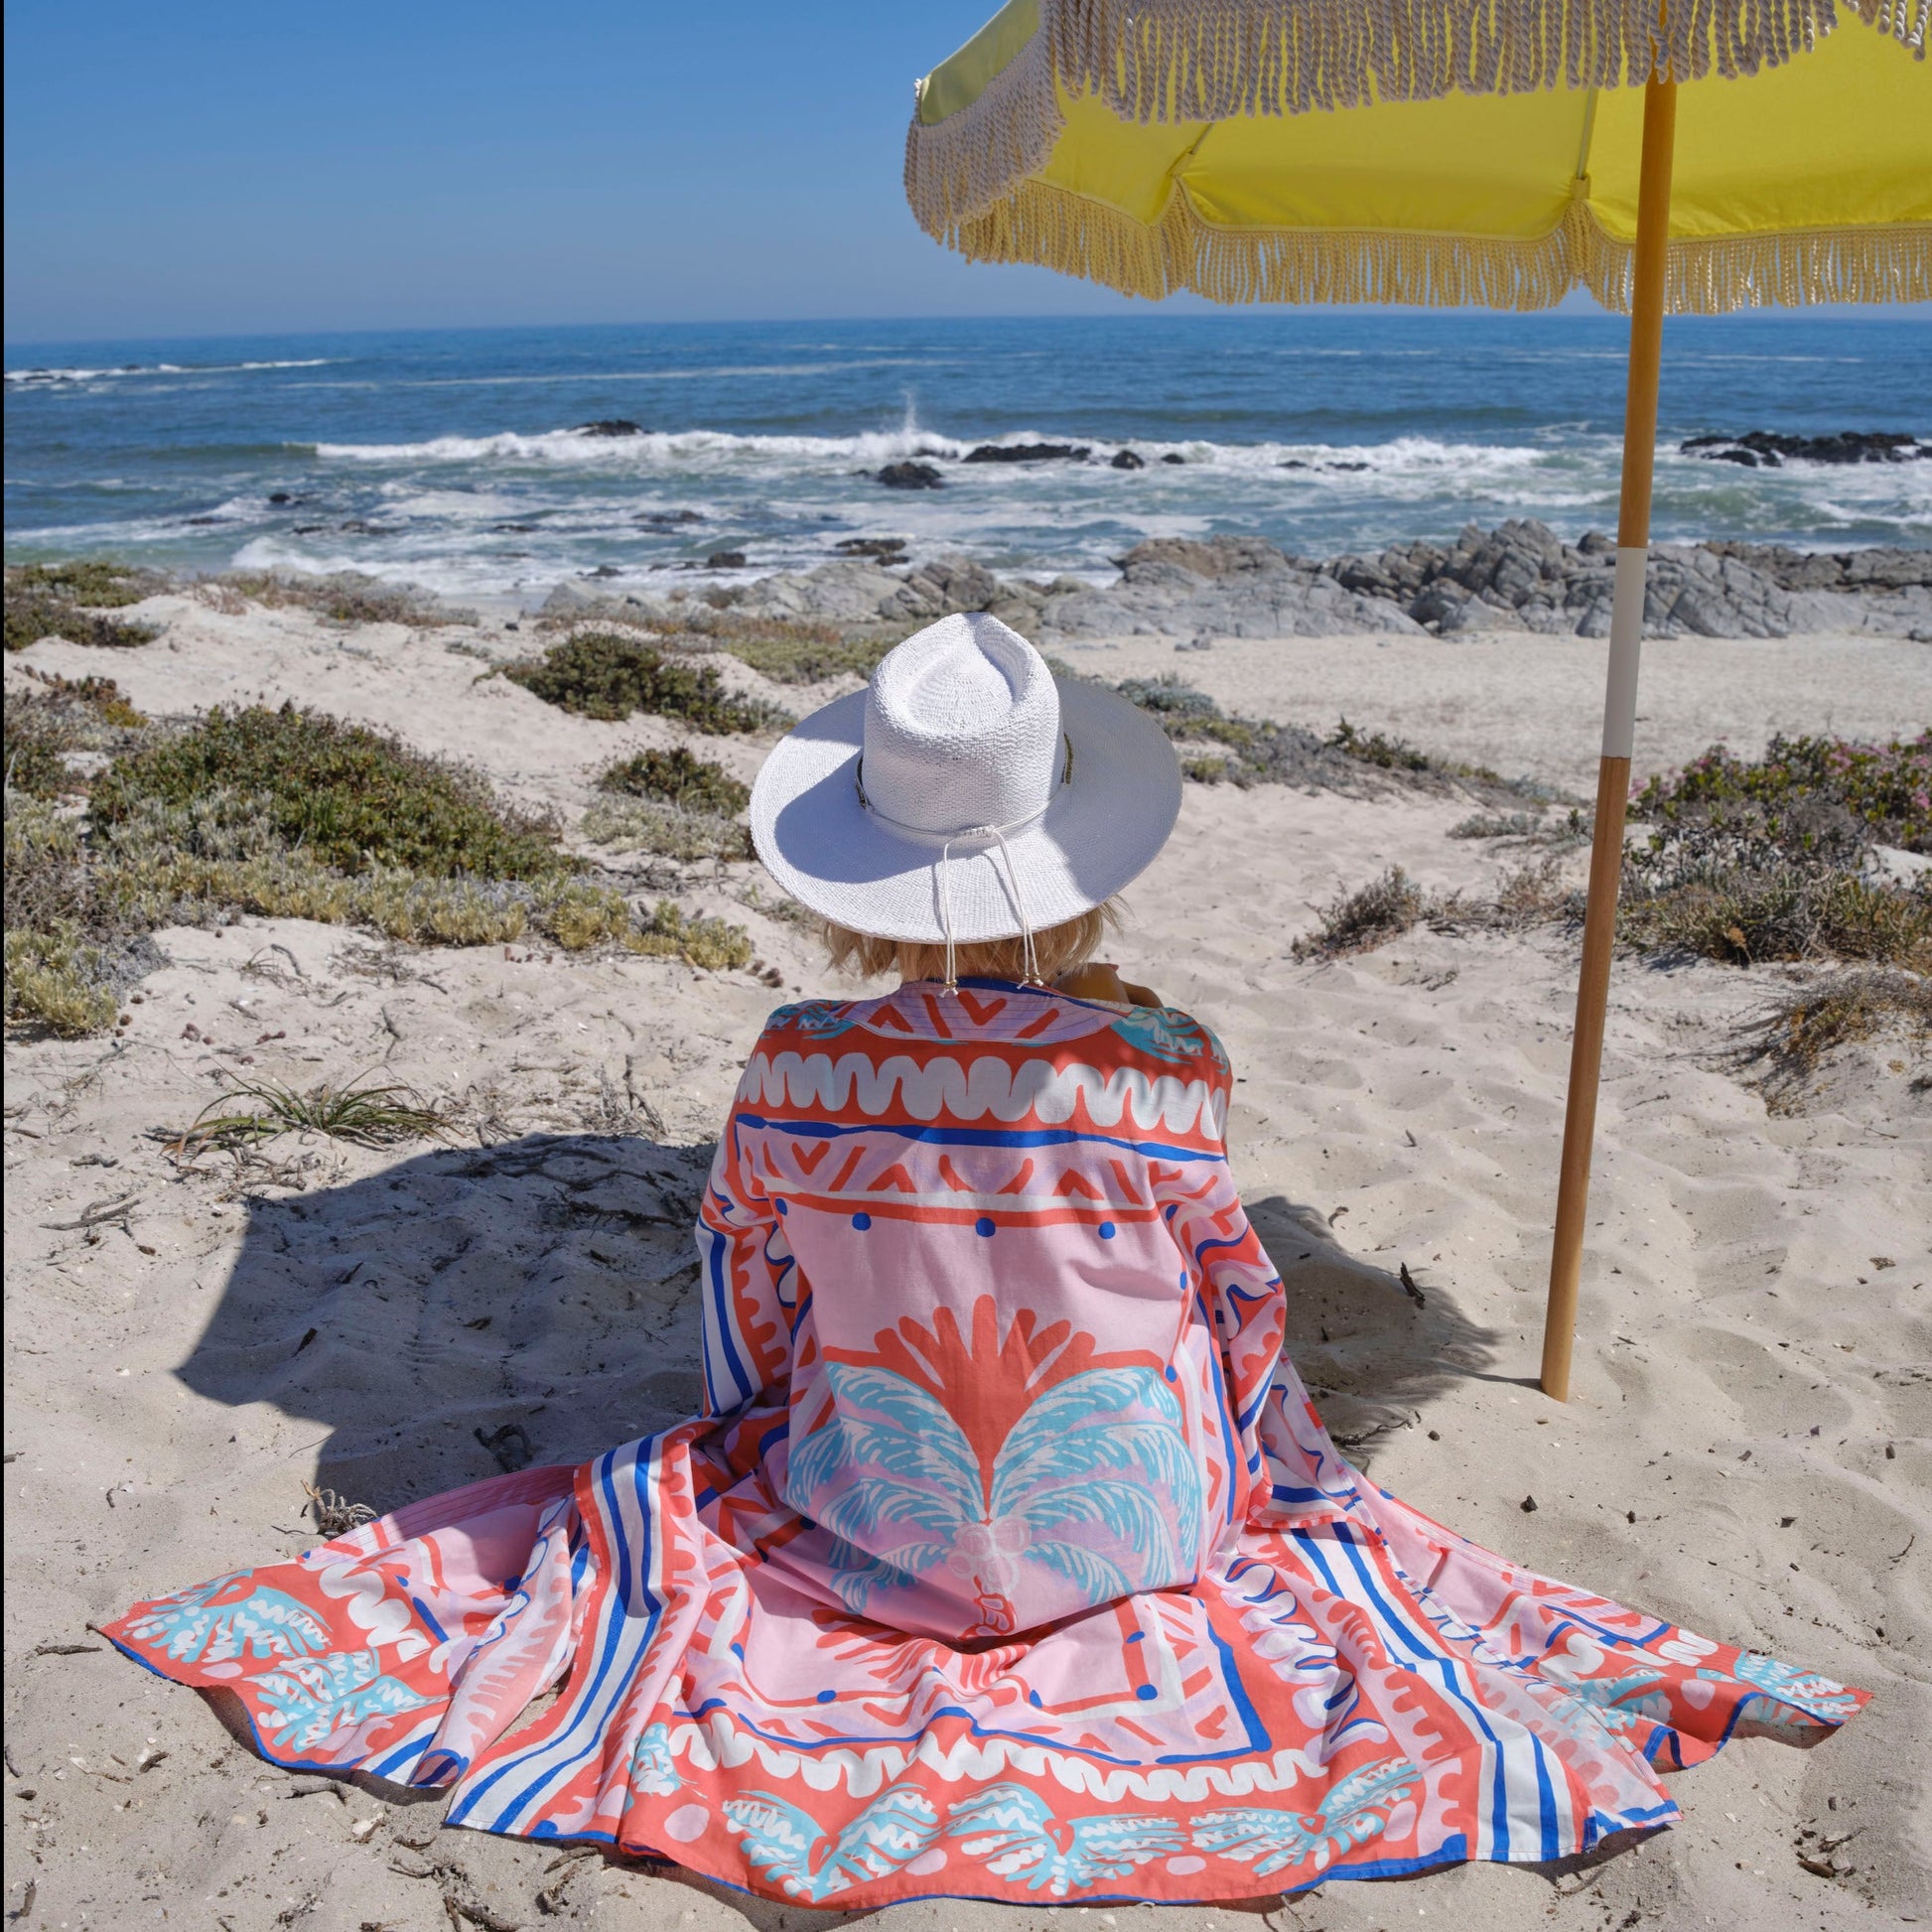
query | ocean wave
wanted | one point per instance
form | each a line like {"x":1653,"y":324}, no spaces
{"x":50,"y":377}
{"x":723,"y":449}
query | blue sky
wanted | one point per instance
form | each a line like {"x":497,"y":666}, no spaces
{"x":222,"y":168}
{"x":238,"y":169}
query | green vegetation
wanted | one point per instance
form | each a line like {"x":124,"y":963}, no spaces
{"x":94,"y":582}
{"x":1794,"y":1038}
{"x":366,"y":1116}
{"x":1750,"y":861}
{"x":62,"y":715}
{"x":348,"y":797}
{"x":1375,"y":748}
{"x":638,"y":825}
{"x":1217,"y":748}
{"x":343,"y":597}
{"x":1365,"y":918}
{"x":1805,"y":793}
{"x":66,"y":600}
{"x":1392,"y":904}
{"x":706,"y":942}
{"x":807,"y":654}
{"x":675,"y":777}
{"x":286,"y":814}
{"x":1745,"y":902}
{"x":608,"y":675}
{"x":671,"y":804}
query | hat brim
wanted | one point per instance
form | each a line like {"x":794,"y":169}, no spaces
{"x":1103,"y":828}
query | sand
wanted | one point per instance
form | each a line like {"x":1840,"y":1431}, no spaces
{"x":1748,"y":1452}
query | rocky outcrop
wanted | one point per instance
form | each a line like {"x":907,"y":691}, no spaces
{"x":1763,"y":449}
{"x":909,"y":476}
{"x":1520,"y":576}
{"x":1028,"y":453}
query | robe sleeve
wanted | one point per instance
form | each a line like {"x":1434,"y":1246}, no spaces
{"x":1292,"y":1474}
{"x":747,"y":1274}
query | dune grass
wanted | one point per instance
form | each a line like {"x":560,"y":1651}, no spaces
{"x":1791,"y":1042}
{"x":363,"y":1115}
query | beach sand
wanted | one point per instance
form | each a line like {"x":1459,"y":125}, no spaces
{"x":1749,"y":1450}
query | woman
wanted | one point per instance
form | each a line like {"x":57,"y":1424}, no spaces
{"x":1009,"y":1557}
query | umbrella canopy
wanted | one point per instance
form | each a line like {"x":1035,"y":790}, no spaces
{"x":1813,"y":183}
{"x":1471,"y":151}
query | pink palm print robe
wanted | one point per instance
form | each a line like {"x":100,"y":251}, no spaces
{"x":1009,"y":1557}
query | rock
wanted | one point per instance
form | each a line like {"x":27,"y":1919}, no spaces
{"x":1518,"y":577}
{"x":1174,"y":456}
{"x":668,"y":520}
{"x":1209,"y":557}
{"x":604,"y":571}
{"x":942,"y":585}
{"x":1127,"y":460}
{"x":1769,"y":449}
{"x":610,"y":426}
{"x":909,"y":476}
{"x":725,"y":560}
{"x":279,"y":496}
{"x":851,"y":590}
{"x":1028,"y":453}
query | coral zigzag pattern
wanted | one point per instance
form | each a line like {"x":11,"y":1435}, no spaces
{"x":1009,"y":1557}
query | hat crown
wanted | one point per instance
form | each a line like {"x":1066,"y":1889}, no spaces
{"x":962,"y":729}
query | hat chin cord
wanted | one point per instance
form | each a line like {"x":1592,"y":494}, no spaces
{"x":1030,"y":969}
{"x":983,"y":835}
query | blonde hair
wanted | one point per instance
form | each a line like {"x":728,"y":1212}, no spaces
{"x":1059,"y":949}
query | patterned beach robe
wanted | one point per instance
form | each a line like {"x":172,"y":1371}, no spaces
{"x":1008,"y":1558}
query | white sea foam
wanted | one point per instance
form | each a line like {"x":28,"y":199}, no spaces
{"x":50,"y":377}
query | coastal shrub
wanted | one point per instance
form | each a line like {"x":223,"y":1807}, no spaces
{"x":790,"y":659}
{"x":606,"y":675}
{"x":280,"y":814}
{"x":61,"y":716}
{"x":791,"y":651}
{"x":676,"y":777}
{"x":33,"y":614}
{"x":665,"y":831}
{"x":92,"y":581}
{"x":56,"y":981}
{"x":1229,"y":749}
{"x":343,"y":597}
{"x":1801,"y":788}
{"x":1388,"y":907}
{"x":38,"y":739}
{"x":1793,"y":1038}
{"x":1375,"y":748}
{"x":1367,"y":918}
{"x":1750,"y":902}
{"x":709,"y":943}
{"x":349,"y":796}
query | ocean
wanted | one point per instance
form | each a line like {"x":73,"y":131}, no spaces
{"x":453,"y":460}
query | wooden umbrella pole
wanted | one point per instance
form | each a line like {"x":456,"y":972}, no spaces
{"x":1619,"y":725}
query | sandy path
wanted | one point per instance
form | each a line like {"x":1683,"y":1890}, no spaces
{"x":1744,"y":1359}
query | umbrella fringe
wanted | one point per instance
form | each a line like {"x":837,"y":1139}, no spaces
{"x":1177,"y":60}
{"x":1073,"y":235}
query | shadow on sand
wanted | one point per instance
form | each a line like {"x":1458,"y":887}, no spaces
{"x":535,"y":1301}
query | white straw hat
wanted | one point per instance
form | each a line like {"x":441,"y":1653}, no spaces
{"x":966,"y":794}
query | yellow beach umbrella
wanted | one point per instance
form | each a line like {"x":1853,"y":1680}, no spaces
{"x":1491,"y":152}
